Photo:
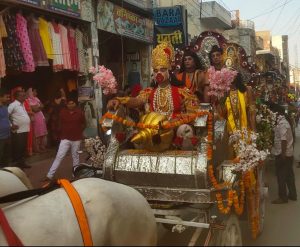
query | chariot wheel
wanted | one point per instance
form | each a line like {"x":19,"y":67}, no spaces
{"x":230,"y":235}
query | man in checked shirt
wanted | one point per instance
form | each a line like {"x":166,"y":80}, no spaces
{"x":284,"y":157}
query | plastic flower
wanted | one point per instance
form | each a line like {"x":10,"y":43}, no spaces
{"x":96,"y":150}
{"x":220,"y":81}
{"x":248,"y":156}
{"x":105,"y":79}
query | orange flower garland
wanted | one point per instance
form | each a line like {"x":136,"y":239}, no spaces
{"x":232,"y":198}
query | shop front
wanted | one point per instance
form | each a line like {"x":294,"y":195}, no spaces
{"x":47,"y":45}
{"x":125,"y":42}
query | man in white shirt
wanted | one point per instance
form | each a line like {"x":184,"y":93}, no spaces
{"x":20,"y":119}
{"x":284,"y":157}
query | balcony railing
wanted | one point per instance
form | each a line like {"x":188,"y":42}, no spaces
{"x":246,"y":24}
{"x":216,"y":15}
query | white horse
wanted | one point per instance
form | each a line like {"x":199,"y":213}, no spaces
{"x":13,"y":181}
{"x":117,"y":215}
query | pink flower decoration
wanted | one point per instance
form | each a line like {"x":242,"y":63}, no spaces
{"x":220,"y":81}
{"x":105,"y":79}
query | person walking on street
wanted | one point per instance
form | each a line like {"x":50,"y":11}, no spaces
{"x":21,"y":122}
{"x":71,"y":125}
{"x":4,"y":129}
{"x":283,"y":151}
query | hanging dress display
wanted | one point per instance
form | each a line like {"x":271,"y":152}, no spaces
{"x":73,"y":49}
{"x":80,"y":51}
{"x":3,"y":34}
{"x":38,"y":51}
{"x":11,"y":45}
{"x":65,"y":46}
{"x":45,"y":36}
{"x":58,"y":60}
{"x":22,"y":34}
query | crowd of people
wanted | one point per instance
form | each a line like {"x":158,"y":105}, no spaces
{"x":24,"y":130}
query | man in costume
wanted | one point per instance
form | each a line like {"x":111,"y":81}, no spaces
{"x":193,"y":74}
{"x":164,"y":98}
{"x":240,"y":106}
{"x":215,"y":57}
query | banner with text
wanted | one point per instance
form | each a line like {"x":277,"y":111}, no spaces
{"x":169,"y":25}
{"x":115,"y":19}
{"x":70,"y":8}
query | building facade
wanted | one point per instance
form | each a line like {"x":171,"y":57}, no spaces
{"x":243,"y":33}
{"x":125,"y":35}
{"x":208,"y":16}
{"x":281,"y":43}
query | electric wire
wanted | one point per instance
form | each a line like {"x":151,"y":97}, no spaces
{"x":268,"y":16}
{"x":279,"y":15}
{"x":270,"y":11}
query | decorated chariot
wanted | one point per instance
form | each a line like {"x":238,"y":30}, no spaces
{"x":182,"y":166}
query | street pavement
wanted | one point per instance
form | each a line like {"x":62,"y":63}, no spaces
{"x":281,"y":221}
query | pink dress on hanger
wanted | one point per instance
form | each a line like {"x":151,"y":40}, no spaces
{"x":65,"y":46}
{"x":73,"y":49}
{"x":22,"y":33}
{"x":38,"y":51}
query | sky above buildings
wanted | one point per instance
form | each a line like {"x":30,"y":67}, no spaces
{"x":281,"y":17}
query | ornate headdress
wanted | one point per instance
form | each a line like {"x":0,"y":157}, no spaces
{"x":163,"y":55}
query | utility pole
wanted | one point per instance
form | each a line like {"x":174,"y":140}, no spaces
{"x":296,"y":70}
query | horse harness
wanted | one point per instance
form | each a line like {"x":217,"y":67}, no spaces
{"x":13,"y":240}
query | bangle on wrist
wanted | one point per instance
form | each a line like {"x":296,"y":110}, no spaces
{"x":123,"y":100}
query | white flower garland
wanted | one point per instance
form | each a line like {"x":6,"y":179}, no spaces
{"x":265,"y":114}
{"x":96,"y":149}
{"x":244,"y":144}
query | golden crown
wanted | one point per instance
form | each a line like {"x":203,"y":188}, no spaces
{"x":163,"y":55}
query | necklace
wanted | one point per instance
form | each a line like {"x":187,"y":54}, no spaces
{"x":234,"y":102}
{"x":163,"y":101}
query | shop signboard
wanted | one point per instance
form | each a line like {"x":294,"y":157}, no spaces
{"x":66,"y":7}
{"x":143,"y":4}
{"x":115,"y":19}
{"x":31,"y":2}
{"x":170,"y":25}
{"x":85,"y":93}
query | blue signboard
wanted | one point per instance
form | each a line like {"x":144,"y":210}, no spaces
{"x":170,"y":25}
{"x":167,"y":17}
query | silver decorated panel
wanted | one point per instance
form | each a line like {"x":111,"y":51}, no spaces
{"x":170,"y":162}
{"x":201,"y":121}
{"x":226,"y":173}
{"x":219,"y":128}
{"x":175,"y":195}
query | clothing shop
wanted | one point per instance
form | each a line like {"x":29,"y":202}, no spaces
{"x":45,"y":45}
{"x":125,"y":40}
